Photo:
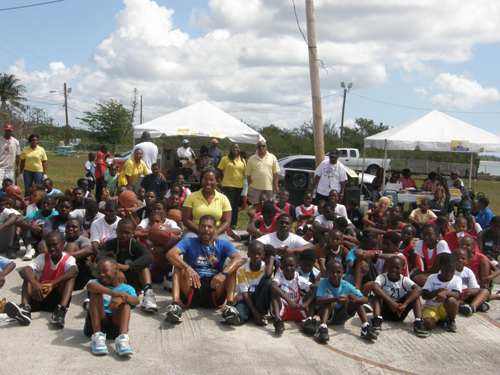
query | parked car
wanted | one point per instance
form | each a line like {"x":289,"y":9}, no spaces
{"x":350,"y":158}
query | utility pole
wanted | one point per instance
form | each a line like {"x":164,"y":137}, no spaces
{"x":66,"y":110}
{"x":319,"y":146}
{"x":342,"y":84}
{"x":140,"y":122}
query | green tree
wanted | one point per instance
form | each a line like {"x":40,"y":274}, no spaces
{"x":110,"y":122}
{"x":355,"y":137}
{"x":11,"y":95}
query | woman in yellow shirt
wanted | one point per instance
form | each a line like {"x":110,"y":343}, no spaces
{"x":33,"y":164}
{"x":232,"y":168}
{"x":133,"y":169}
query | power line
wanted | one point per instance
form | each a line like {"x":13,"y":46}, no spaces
{"x":24,"y":49}
{"x":31,"y":5}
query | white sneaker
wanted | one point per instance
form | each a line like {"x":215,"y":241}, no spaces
{"x":167,"y":282}
{"x":86,"y":304}
{"x":122,"y":345}
{"x":149,"y":302}
{"x":30,"y":252}
{"x":99,"y":344}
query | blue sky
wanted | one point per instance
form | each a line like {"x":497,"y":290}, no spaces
{"x":244,"y":55}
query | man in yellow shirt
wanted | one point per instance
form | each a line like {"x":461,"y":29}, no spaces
{"x":262,"y":173}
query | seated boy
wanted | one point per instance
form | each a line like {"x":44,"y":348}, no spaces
{"x":334,"y":250}
{"x":80,"y":248}
{"x":6,"y":267}
{"x":48,"y":284}
{"x":160,"y":206}
{"x":488,"y":240}
{"x":453,"y":238}
{"x":286,"y":300}
{"x":253,"y":285}
{"x":395,"y":296}
{"x":407,"y":248}
{"x":309,"y":267}
{"x":372,"y":215}
{"x":257,"y":208}
{"x":109,"y":309}
{"x":354,"y":214}
{"x":339,"y":301}
{"x":420,"y":216}
{"x":87,"y":216}
{"x":133,"y":258}
{"x":485,"y":214}
{"x":105,"y":227}
{"x":8,"y":219}
{"x":441,"y":292}
{"x":265,"y":222}
{"x":323,"y":223}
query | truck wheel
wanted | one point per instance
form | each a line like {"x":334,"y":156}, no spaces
{"x":372,"y":169}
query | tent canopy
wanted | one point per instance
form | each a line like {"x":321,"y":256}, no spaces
{"x":434,"y":131}
{"x":200,"y":120}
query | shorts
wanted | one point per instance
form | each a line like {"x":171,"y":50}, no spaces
{"x":471,"y":298}
{"x":286,"y":313}
{"x":204,"y":297}
{"x":390,"y":315}
{"x":110,"y":329}
{"x":49,"y":303}
{"x":133,"y":280}
{"x":253,"y":194}
{"x":438,"y":313}
{"x":157,"y":274}
{"x":340,"y":316}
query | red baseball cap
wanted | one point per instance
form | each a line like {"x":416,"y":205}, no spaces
{"x":8,"y":127}
{"x":214,"y":141}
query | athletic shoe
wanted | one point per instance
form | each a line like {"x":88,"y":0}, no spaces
{"x":377,"y":324}
{"x":323,"y":335}
{"x":149,"y":301}
{"x":230,"y":315}
{"x":86,"y":304}
{"x":167,"y":283}
{"x":465,"y":310}
{"x":122,"y":345}
{"x":279,"y":326}
{"x":231,"y":233}
{"x":174,"y":313}
{"x":484,"y":307}
{"x":450,"y":326}
{"x":309,"y":326}
{"x":368,"y":308}
{"x":367,"y":333}
{"x":10,"y":253}
{"x":30,"y":253}
{"x":98,"y":344}
{"x":264,"y":321}
{"x":59,"y":315}
{"x":21,"y":313}
{"x":420,"y":329}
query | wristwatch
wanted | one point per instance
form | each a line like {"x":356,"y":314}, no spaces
{"x":224,"y":273}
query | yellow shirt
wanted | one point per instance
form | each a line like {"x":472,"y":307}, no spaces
{"x":131,"y":169}
{"x":33,"y":158}
{"x":233,"y":173}
{"x":196,"y":201}
{"x":261,"y":171}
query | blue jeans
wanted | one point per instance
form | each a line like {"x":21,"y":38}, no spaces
{"x":29,"y":179}
{"x":261,"y":300}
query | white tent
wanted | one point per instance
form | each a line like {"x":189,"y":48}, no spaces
{"x":435,"y":131}
{"x":200,"y":120}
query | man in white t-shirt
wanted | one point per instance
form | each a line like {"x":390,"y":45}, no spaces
{"x":284,"y":241}
{"x":10,"y":152}
{"x":185,"y":153}
{"x":330,"y":175}
{"x":105,"y":227}
{"x":149,"y":150}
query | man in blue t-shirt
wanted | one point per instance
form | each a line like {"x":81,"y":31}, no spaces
{"x":202,"y":278}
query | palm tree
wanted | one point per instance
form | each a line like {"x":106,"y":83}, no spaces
{"x":11,"y":93}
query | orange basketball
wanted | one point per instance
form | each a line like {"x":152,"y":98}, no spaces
{"x":367,"y":288}
{"x":13,"y":190}
{"x":159,"y":234}
{"x":174,"y":215}
{"x":127,"y":199}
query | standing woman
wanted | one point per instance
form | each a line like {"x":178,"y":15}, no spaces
{"x":232,"y":168}
{"x":33,"y":164}
{"x":133,"y":169}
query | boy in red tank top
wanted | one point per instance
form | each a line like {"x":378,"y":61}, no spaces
{"x":48,"y":284}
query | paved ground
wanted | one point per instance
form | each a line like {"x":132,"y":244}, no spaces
{"x":200,"y":345}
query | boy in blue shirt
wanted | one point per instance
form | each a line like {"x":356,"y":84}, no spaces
{"x":109,"y":309}
{"x":485,"y":215}
{"x":154,"y":182}
{"x":339,"y":301}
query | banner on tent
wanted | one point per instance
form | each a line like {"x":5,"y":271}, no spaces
{"x":182,"y":131}
{"x":460,"y":146}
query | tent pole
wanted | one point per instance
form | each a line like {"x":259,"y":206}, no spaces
{"x":471,"y":166}
{"x":363,"y":170}
{"x":385,"y":158}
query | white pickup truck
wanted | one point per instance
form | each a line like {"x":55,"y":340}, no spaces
{"x":350,"y":158}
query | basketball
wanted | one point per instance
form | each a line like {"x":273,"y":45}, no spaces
{"x":174,"y":215}
{"x":159,"y":234}
{"x":13,"y":190}
{"x":127,"y":199}
{"x":367,"y":288}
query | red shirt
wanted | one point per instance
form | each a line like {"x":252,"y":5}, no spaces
{"x":474,"y":263}
{"x":263,"y":228}
{"x":452,"y":240}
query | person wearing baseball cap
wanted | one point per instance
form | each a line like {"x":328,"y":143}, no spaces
{"x":185,"y":153}
{"x":215,"y":152}
{"x":330,"y":175}
{"x":9,"y":154}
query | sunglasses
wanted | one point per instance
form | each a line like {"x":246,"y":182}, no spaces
{"x":261,"y":146}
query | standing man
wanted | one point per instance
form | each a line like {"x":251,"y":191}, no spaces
{"x":185,"y":153}
{"x":215,"y":152}
{"x":149,"y":150}
{"x":331,"y":175}
{"x":9,"y":156}
{"x":262,"y":173}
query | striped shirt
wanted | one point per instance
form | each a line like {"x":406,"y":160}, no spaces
{"x":247,"y":280}
{"x":261,"y":171}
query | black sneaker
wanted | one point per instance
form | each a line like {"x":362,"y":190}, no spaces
{"x":310,"y":326}
{"x":21,"y":313}
{"x":484,"y":307}
{"x":465,"y":310}
{"x":420,"y":329}
{"x":368,"y":308}
{"x":279,"y":326}
{"x":174,"y":313}
{"x":59,"y":315}
{"x":377,"y":324}
{"x":367,"y":333}
{"x":450,"y":326}
{"x":230,"y":315}
{"x":10,"y":253}
{"x":323,"y":335}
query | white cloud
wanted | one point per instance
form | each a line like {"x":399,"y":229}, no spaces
{"x":459,"y":92}
{"x":421,"y":91}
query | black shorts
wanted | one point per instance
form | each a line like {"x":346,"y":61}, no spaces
{"x":49,"y":303}
{"x":389,"y":315}
{"x":110,"y":329}
{"x":203,"y":297}
{"x":133,"y":281}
